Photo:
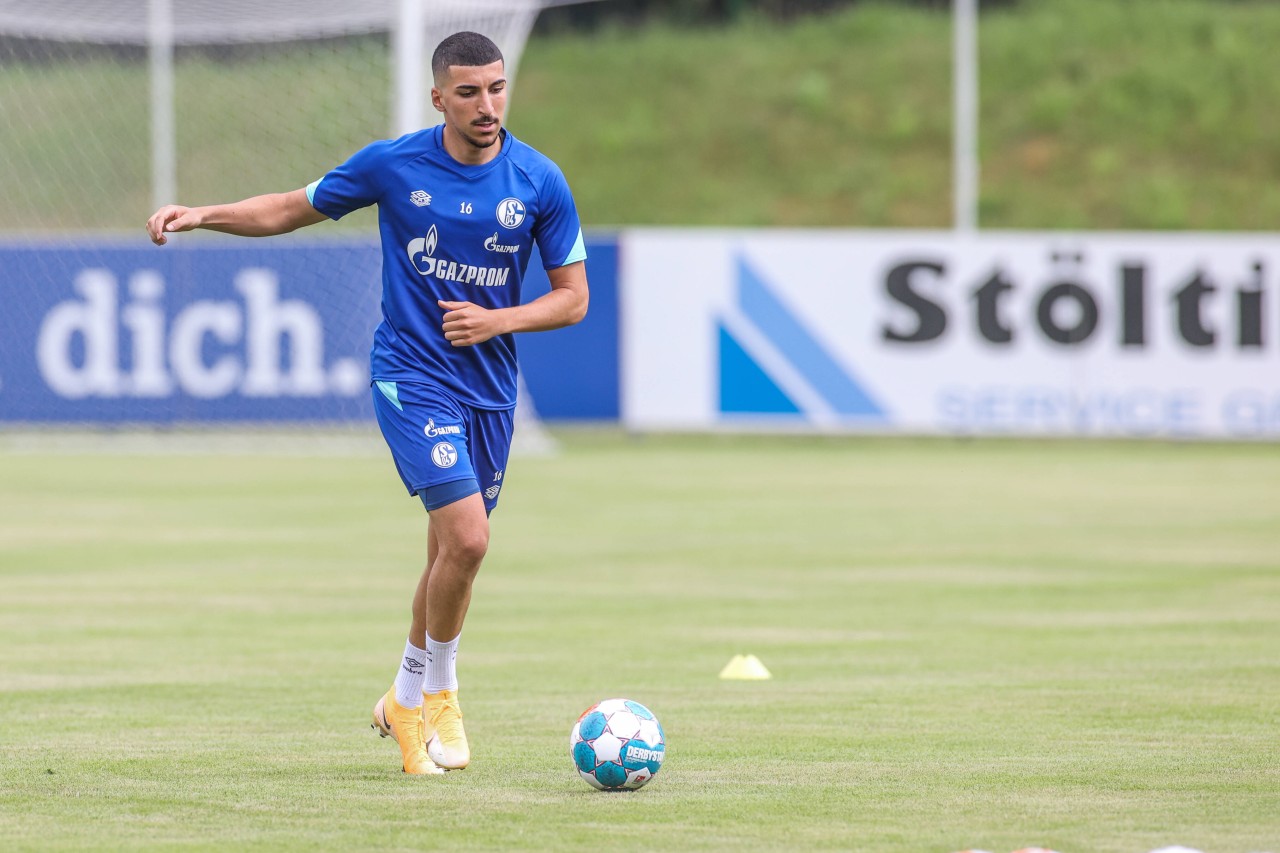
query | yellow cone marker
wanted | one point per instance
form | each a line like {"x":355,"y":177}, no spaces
{"x":745,"y":668}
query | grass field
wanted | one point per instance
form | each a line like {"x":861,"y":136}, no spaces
{"x":989,"y":644}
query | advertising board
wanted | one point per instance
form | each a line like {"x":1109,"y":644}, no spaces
{"x":1172,"y":335}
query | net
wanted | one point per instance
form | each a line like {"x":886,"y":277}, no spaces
{"x":263,"y":95}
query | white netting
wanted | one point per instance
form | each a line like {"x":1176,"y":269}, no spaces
{"x":128,"y":21}
{"x":266,"y":96}
{"x":239,"y":21}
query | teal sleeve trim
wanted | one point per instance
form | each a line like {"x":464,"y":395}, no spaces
{"x":577,"y":253}
{"x":311,"y":191}
{"x":391,"y":392}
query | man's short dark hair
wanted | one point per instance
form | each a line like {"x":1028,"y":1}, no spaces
{"x":465,"y":48}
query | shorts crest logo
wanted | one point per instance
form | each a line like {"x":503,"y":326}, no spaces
{"x":510,"y":212}
{"x":444,"y":454}
{"x":420,"y":198}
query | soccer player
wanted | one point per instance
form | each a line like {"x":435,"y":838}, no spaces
{"x":459,"y":209}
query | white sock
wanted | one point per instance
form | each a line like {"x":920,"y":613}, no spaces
{"x":409,"y":678}
{"x":441,"y":674}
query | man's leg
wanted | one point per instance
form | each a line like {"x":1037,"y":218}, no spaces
{"x":443,"y":453}
{"x":398,"y":714}
{"x":457,"y":539}
{"x":418,"y":623}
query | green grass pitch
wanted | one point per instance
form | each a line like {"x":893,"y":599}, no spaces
{"x":974,"y":643}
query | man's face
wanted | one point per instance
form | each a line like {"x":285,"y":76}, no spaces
{"x":473,"y":99}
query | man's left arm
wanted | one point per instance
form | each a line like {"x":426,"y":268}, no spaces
{"x":467,"y":324}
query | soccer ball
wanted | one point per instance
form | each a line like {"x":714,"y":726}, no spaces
{"x":617,"y":745}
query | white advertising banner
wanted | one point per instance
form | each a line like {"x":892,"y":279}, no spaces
{"x":1109,"y":334}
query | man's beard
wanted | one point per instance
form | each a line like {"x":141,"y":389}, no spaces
{"x":478,"y":143}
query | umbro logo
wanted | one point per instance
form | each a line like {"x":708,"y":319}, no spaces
{"x":420,"y":198}
{"x":411,"y":665}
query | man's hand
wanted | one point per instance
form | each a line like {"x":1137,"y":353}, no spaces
{"x":259,"y":216}
{"x":467,"y":324}
{"x":170,"y":218}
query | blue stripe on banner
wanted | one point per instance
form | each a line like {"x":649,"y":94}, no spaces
{"x":745,"y":387}
{"x":788,"y":334}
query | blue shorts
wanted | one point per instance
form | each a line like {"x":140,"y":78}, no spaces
{"x":444,"y":450}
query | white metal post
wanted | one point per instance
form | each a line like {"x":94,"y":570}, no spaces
{"x":965,"y":118}
{"x":164,"y":146}
{"x":410,"y":66}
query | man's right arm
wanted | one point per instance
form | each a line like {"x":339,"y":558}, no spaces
{"x":260,"y":216}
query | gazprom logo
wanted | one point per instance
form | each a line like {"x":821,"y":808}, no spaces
{"x":422,"y":254}
{"x":422,"y":251}
{"x":771,"y":364}
{"x":431,"y":430}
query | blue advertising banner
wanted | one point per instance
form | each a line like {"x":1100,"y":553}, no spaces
{"x":574,"y":373}
{"x":238,"y":331}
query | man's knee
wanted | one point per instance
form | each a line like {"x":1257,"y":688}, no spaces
{"x":462,"y":533}
{"x":468,"y":547}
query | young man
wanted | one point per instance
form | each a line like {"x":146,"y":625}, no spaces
{"x":459,"y":209}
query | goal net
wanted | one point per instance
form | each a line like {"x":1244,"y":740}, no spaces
{"x":109,"y":110}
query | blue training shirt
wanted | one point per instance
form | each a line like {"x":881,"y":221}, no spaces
{"x":458,"y":233}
